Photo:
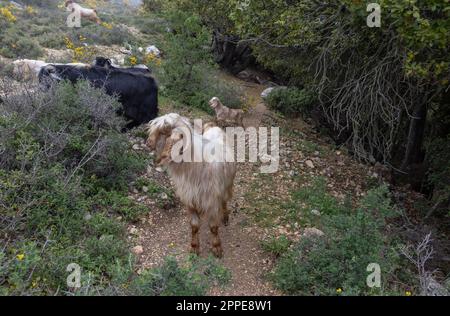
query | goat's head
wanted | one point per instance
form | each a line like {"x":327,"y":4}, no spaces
{"x":167,"y":137}
{"x":102,"y":62}
{"x":215,"y":103}
{"x":173,"y":148}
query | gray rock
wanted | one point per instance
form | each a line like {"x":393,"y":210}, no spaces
{"x":164,"y":196}
{"x":266,"y":92}
{"x":309,"y":163}
{"x":137,"y":250}
{"x":312,"y":232}
{"x":152,"y":49}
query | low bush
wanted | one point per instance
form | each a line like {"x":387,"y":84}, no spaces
{"x":439,"y":175}
{"x":152,"y":5}
{"x":18,"y":44}
{"x":39,"y":3}
{"x":337,"y":262}
{"x":65,"y":169}
{"x":276,"y":245}
{"x":291,"y":101}
{"x":172,"y":279}
{"x":187,"y":73}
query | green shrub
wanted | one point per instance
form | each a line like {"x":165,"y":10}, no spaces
{"x":64,"y":173}
{"x":6,"y":69}
{"x":152,"y":5}
{"x":171,"y":279}
{"x":276,"y":246}
{"x":100,"y":35}
{"x":291,"y":101}
{"x":39,"y":3}
{"x":118,"y":203}
{"x":439,"y":173}
{"x":187,"y":73}
{"x":18,"y":44}
{"x":353,"y":239}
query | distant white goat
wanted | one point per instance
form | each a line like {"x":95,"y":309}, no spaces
{"x":90,"y":14}
{"x":203,"y":184}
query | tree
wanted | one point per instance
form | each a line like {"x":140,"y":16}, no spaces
{"x":372,"y":83}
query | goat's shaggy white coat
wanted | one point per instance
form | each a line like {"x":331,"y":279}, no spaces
{"x":204,"y":187}
{"x":27,"y":68}
{"x":90,"y":14}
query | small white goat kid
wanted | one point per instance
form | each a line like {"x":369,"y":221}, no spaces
{"x":196,"y":163}
{"x":90,"y":14}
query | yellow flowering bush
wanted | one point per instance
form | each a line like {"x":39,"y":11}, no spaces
{"x":139,"y":56}
{"x":30,"y":10}
{"x":79,"y":53}
{"x":133,"y":60}
{"x":5,"y":13}
{"x":92,"y":3}
{"x":106,"y":25}
{"x":152,"y":59}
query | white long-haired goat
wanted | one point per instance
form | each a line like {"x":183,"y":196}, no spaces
{"x":196,"y":163}
{"x":90,"y":14}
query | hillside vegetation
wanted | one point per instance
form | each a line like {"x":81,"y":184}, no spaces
{"x":364,"y":171}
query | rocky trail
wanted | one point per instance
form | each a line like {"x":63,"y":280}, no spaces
{"x":165,"y":230}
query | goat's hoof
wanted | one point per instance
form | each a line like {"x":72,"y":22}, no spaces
{"x":226,"y":220}
{"x":217,"y":251}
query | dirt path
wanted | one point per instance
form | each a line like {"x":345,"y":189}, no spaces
{"x":166,"y":232}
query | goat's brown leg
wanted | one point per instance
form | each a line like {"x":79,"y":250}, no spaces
{"x":216,"y":244}
{"x":195,"y":227}
{"x":225,"y":214}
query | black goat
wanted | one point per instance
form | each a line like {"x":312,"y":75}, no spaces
{"x":137,"y":92}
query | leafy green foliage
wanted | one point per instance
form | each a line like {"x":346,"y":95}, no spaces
{"x":276,"y":245}
{"x":291,"y":101}
{"x":187,"y":71}
{"x":152,"y":5}
{"x":439,"y":173}
{"x":367,"y":80}
{"x":353,"y":239}
{"x":311,"y":198}
{"x":18,"y":44}
{"x":171,"y":279}
{"x":64,"y":174}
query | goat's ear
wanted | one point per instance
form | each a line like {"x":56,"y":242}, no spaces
{"x":180,"y":137}
{"x":152,"y":139}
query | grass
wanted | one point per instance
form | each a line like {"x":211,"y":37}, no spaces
{"x":276,"y":245}
{"x":309,"y":147}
